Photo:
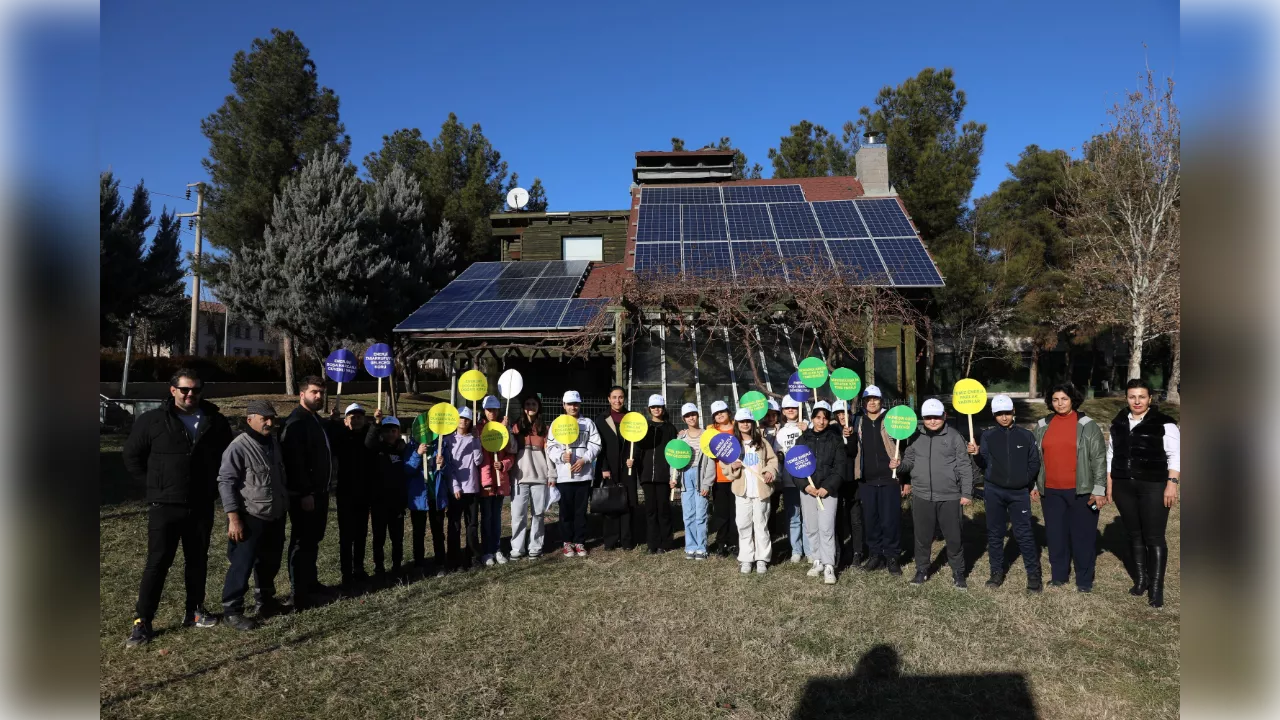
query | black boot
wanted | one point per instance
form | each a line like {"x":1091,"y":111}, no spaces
{"x":1156,"y":559}
{"x":1140,"y":579}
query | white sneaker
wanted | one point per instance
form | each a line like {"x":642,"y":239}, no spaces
{"x":581,"y":550}
{"x":487,"y":560}
{"x":797,"y":559}
{"x":744,"y":568}
{"x":816,"y":570}
{"x":502,"y":559}
{"x":760,"y":567}
{"x":829,"y":575}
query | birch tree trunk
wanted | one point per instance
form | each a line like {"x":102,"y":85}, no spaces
{"x":290,"y":388}
{"x":1175,"y":375}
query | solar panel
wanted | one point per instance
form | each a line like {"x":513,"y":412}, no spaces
{"x":762,"y":193}
{"x":658,"y":223}
{"x":483,"y":315}
{"x":461,"y":290}
{"x":794,"y":221}
{"x":908,"y":263}
{"x":524,"y":269}
{"x":481,"y":271}
{"x":756,"y":258}
{"x":658,"y":259}
{"x":839,"y":219}
{"x":582,"y":312}
{"x":703,"y":222}
{"x":504,"y":289}
{"x":432,"y":316}
{"x":566,"y":268}
{"x":536,"y":314}
{"x":859,"y":259}
{"x":699,"y":195}
{"x":553,"y":287}
{"x":749,"y":222}
{"x":805,"y":257}
{"x":708,"y":259}
{"x":884,"y":218}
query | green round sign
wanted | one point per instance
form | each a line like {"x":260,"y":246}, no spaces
{"x":845,"y":383}
{"x":900,"y":422}
{"x":813,"y":372}
{"x":756,"y":402}
{"x":420,"y":430}
{"x":678,"y":454}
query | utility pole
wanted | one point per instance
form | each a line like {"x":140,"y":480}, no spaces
{"x":195,"y":262}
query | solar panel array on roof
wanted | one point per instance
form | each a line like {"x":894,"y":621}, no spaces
{"x":510,"y":296}
{"x":772,"y":229}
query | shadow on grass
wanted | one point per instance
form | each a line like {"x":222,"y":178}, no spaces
{"x":353,"y":620}
{"x":878,"y":689}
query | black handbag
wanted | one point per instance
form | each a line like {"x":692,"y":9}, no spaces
{"x":609,"y":499}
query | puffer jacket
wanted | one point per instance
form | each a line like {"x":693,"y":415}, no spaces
{"x":427,"y":489}
{"x":828,"y":450}
{"x":496,"y":483}
{"x":739,"y":476}
{"x":651,"y":454}
{"x":939,"y":466}
{"x":388,"y":486}
{"x":252,"y":477}
{"x":177,"y":470}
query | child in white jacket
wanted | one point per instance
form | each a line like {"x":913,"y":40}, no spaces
{"x":574,"y":465}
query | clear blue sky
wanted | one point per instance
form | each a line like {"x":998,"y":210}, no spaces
{"x":568,"y":91}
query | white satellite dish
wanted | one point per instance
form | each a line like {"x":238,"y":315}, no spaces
{"x":518,"y":198}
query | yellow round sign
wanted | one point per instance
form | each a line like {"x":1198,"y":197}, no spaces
{"x":494,"y":436}
{"x":633,"y":427}
{"x":968,"y":397}
{"x":564,"y":429}
{"x":473,"y":385}
{"x":442,"y":418}
{"x":705,"y":441}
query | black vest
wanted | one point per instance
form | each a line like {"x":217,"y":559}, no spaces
{"x":1138,"y":454}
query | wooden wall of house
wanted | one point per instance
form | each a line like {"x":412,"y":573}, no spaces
{"x":545,"y":242}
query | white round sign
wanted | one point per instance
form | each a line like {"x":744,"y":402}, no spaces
{"x":510,"y":384}
{"x":518,"y":198}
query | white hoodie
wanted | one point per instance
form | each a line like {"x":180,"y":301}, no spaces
{"x":585,"y":448}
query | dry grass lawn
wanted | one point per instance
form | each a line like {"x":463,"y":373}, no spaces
{"x":627,"y":635}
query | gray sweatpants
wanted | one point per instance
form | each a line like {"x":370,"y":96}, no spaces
{"x":820,"y":527}
{"x":929,"y":514}
{"x":526,"y":498}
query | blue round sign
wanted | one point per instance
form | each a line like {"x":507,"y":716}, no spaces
{"x":797,"y":390}
{"x":726,"y":448}
{"x":340,"y":366}
{"x":801,"y":462}
{"x":377,"y":360}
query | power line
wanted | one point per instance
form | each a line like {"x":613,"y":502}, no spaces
{"x":157,"y":192}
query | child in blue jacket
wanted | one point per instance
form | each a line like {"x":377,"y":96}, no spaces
{"x":428,"y":498}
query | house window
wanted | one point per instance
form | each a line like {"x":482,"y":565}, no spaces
{"x":261,"y":334}
{"x":236,"y":331}
{"x":583,"y":248}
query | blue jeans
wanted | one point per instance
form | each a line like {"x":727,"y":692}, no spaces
{"x":695,"y":512}
{"x":795,"y":523}
{"x":490,"y":524}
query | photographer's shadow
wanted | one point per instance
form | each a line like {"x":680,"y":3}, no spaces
{"x":878,"y":689}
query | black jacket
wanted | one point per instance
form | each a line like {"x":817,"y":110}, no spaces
{"x":1138,"y":454}
{"x":176,"y":469}
{"x":851,"y":453}
{"x":387,"y":481}
{"x":651,"y":454}
{"x":1009,"y":457}
{"x":308,"y":459}
{"x":613,"y":451}
{"x":832,"y":459}
{"x":355,"y":461}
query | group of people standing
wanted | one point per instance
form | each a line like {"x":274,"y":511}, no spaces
{"x":847,"y":513}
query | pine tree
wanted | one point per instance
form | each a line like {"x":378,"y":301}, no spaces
{"x":122,"y":237}
{"x":165,"y":306}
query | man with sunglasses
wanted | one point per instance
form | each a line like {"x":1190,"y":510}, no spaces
{"x":176,"y":450}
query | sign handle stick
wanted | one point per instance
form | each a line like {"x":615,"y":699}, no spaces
{"x":339,"y":389}
{"x":896,"y":456}
{"x":815,"y":497}
{"x":379,"y":393}
{"x":970,"y":428}
{"x":633,"y":457}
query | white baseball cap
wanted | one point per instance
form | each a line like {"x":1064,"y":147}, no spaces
{"x":932,"y":408}
{"x":871,"y":391}
{"x":773,"y":405}
{"x":1001,"y":403}
{"x":821,"y":405}
{"x":391,"y":420}
{"x":688,"y":409}
{"x":466,"y":413}
{"x":657,"y":401}
{"x":789,"y":402}
{"x":745,"y":414}
{"x":491,"y":402}
{"x":719,"y":406}
{"x":572,"y":396}
{"x":353,"y":407}
{"x":840,"y":406}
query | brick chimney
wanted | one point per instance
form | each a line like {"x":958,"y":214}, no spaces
{"x":872,"y":160}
